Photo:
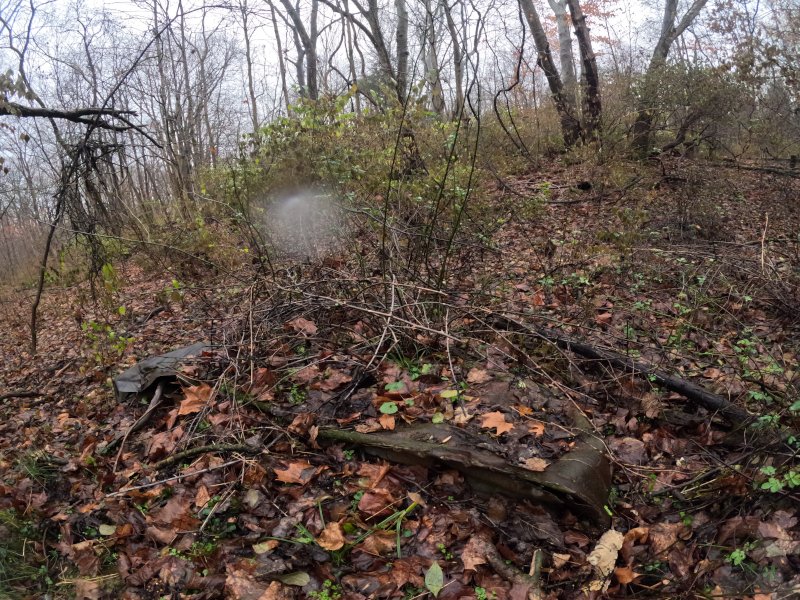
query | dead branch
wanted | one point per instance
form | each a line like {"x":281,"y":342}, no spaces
{"x":215,"y":448}
{"x":20,"y":394}
{"x":84,"y":116}
{"x":713,"y":402}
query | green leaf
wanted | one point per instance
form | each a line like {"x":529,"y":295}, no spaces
{"x":394,"y":387}
{"x":448,"y":394}
{"x":437,"y":418}
{"x":768,"y":470}
{"x":388,"y":408}
{"x":795,"y":407}
{"x":792,"y":478}
{"x":434,"y":579}
{"x":121,"y":311}
{"x":773,"y":485}
{"x":300,"y":578}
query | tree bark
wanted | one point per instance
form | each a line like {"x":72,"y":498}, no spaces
{"x":592,"y":106}
{"x":566,"y":58}
{"x":570,"y":124}
{"x":458,"y":60}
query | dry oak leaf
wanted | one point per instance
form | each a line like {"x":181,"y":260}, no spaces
{"x":299,"y":471}
{"x":536,"y":428}
{"x":304,"y":326}
{"x":497,"y":421}
{"x":197,"y":398}
{"x":536,"y":464}
{"x":474,"y":553}
{"x":332,"y":537}
{"x":476,"y":375}
{"x":380,"y":543}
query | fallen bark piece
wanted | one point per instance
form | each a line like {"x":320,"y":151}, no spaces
{"x":580,"y":480}
{"x":145,"y":373}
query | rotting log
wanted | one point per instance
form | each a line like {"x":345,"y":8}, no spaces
{"x":579,"y":480}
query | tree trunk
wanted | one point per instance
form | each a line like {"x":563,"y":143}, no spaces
{"x":458,"y":60}
{"x":401,"y":41}
{"x":565,"y":55}
{"x":570,"y":125}
{"x":432,"y":61}
{"x":643,"y":126}
{"x":248,"y":58}
{"x":592,"y":107}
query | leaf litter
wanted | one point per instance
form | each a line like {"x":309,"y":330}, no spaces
{"x":231,"y":490}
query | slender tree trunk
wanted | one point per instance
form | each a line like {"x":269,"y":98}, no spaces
{"x":592,"y":106}
{"x":281,"y":64}
{"x":248,"y":58}
{"x":351,"y":59}
{"x":432,"y":61}
{"x":458,"y":60}
{"x":569,"y":78}
{"x":570,"y":124}
{"x":401,"y":40}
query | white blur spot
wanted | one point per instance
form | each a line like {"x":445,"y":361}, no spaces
{"x":307,"y":224}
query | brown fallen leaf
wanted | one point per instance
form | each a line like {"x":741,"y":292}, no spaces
{"x":304,"y":326}
{"x":476,"y":375}
{"x":497,"y":421}
{"x":625,"y":575}
{"x":536,"y":428}
{"x":473,"y":554}
{"x":387,"y":422}
{"x":332,"y":537}
{"x":299,"y":471}
{"x":196,"y":399}
{"x":536,"y":464}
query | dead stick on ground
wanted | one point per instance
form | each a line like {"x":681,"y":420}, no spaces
{"x":178,"y":477}
{"x":708,"y":400}
{"x":20,"y":394}
{"x":176,"y":458}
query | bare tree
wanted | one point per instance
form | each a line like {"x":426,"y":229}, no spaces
{"x":643,"y":126}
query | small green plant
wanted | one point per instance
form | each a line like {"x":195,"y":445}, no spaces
{"x":297,"y":395}
{"x":330,"y":591}
{"x":776,"y":481}
{"x":444,"y":551}
{"x":482,"y":594}
{"x":106,"y":345}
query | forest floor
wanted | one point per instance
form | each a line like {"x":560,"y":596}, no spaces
{"x":230,"y":487}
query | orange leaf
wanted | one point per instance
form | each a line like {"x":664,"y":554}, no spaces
{"x":536,"y":464}
{"x":386,"y":421}
{"x":332,"y":537}
{"x":300,"y":471}
{"x":497,"y":421}
{"x":625,"y":575}
{"x":197,"y":398}
{"x":603,"y":318}
{"x":536,"y":428}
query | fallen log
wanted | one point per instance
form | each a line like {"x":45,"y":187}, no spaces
{"x":579,"y":480}
{"x":735,"y":415}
